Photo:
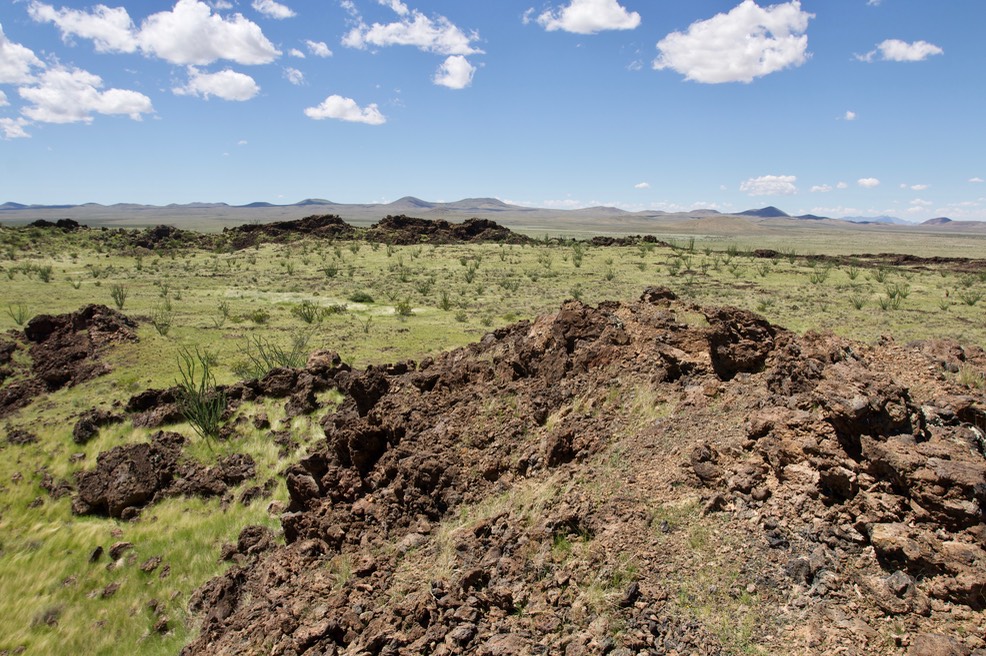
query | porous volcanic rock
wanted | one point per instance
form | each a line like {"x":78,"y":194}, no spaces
{"x":325,"y":226}
{"x":64,"y":350}
{"x":129,"y":477}
{"x":485,"y":500}
{"x":403,"y":229}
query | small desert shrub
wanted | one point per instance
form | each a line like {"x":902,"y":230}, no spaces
{"x":309,"y":311}
{"x":119,"y":293}
{"x":262,"y":355}
{"x":970,"y":297}
{"x":259,"y":316}
{"x":44,"y":273}
{"x":18,"y":313}
{"x":360,"y":297}
{"x":403,"y":308}
{"x":444,"y":301}
{"x":162,"y":318}
{"x":201,"y":401}
{"x":857,"y":301}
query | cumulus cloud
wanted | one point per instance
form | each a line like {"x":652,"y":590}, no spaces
{"x":770,"y":185}
{"x":109,"y":28}
{"x":273,"y":9}
{"x":920,"y":202}
{"x":901,"y":51}
{"x":455,"y":73}
{"x":439,"y":35}
{"x":842,"y":185}
{"x":3,"y":99}
{"x":849,"y":116}
{"x":226,"y":84}
{"x":868,"y":183}
{"x":914,"y":187}
{"x":13,"y":128}
{"x":748,"y":42}
{"x":396,"y":5}
{"x":976,"y":180}
{"x":72,"y":95}
{"x":821,"y":189}
{"x":346,"y":109}
{"x":642,"y":185}
{"x":294,"y":52}
{"x":188,"y":34}
{"x":318,"y":48}
{"x":191,"y":34}
{"x":294,"y":76}
{"x":589,"y":17}
{"x":16,"y":61}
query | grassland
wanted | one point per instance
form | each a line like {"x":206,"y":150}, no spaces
{"x":371,"y":303}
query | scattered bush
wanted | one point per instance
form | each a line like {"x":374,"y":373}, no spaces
{"x":201,"y":401}
{"x":119,"y":293}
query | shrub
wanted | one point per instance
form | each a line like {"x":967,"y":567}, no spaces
{"x":403,"y":308}
{"x":18,"y":313}
{"x":201,"y":401}
{"x":262,"y":355}
{"x":162,"y":319}
{"x":360,"y":297}
{"x":309,"y":311}
{"x":260,"y":316}
{"x":119,"y":293}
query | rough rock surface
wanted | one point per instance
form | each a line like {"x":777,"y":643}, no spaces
{"x":129,"y":477}
{"x":606,"y":480}
{"x":64,"y":351}
{"x":403,"y":229}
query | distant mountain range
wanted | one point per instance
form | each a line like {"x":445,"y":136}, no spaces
{"x":223,"y":214}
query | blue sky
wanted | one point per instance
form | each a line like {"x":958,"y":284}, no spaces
{"x":834,"y":107}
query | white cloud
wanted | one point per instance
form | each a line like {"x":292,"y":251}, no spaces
{"x":191,"y":34}
{"x":589,"y":17}
{"x":346,"y":109}
{"x":294,"y":52}
{"x":109,"y":28}
{"x":455,"y":73}
{"x":821,"y":189}
{"x":744,"y":44}
{"x":13,"y":128}
{"x":294,"y":76}
{"x":920,"y":202}
{"x":868,"y":183}
{"x":438,"y":36}
{"x":273,"y":9}
{"x":901,"y":51}
{"x":242,"y":142}
{"x":849,"y":116}
{"x":318,"y":48}
{"x":188,"y":34}
{"x":221,"y":4}
{"x":770,"y":185}
{"x":918,"y":187}
{"x":976,"y":180}
{"x":842,"y":185}
{"x":16,"y":61}
{"x":71,"y":95}
{"x":3,"y":99}
{"x":399,"y":7}
{"x":642,"y":185}
{"x":226,"y":84}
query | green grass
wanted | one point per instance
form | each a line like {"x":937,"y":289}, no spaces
{"x":400,"y":302}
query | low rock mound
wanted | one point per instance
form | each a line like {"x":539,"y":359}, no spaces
{"x":126,"y":478}
{"x":525,"y":494}
{"x":405,"y":230}
{"x":325,"y":226}
{"x":64,"y":351}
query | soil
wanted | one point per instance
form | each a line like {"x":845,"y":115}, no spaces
{"x":627,"y":479}
{"x":64,"y":350}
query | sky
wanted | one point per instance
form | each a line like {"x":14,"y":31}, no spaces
{"x":830,"y":107}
